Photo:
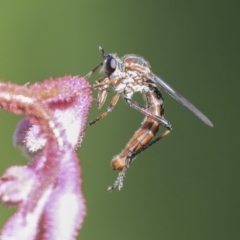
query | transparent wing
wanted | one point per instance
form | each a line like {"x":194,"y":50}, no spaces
{"x":181,"y":99}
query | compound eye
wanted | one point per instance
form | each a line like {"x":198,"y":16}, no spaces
{"x":111,"y":64}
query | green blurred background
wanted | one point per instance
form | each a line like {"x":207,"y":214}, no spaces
{"x":187,"y":186}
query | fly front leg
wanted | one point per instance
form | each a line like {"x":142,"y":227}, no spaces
{"x":100,"y":83}
{"x":93,"y":70}
{"x":144,"y":110}
{"x":104,"y":114}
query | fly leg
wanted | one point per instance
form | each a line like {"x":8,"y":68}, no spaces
{"x":133,"y":155}
{"x":92,"y":71}
{"x":145,"y":144}
{"x":144,"y":110}
{"x":104,"y":114}
{"x":103,"y":84}
{"x":119,"y":181}
{"x":122,"y":174}
{"x":162,"y":121}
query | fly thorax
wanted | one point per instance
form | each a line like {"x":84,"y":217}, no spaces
{"x":128,"y":92}
{"x":140,"y":88}
{"x":119,"y":86}
{"x":120,"y":82}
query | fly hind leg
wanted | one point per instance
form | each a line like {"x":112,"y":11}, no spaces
{"x":119,"y":181}
{"x":122,"y":174}
{"x":134,"y":154}
{"x":145,"y":111}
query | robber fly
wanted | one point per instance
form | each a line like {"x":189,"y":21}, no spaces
{"x":128,"y":75}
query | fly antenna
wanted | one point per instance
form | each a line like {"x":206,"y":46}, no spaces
{"x":101,"y":50}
